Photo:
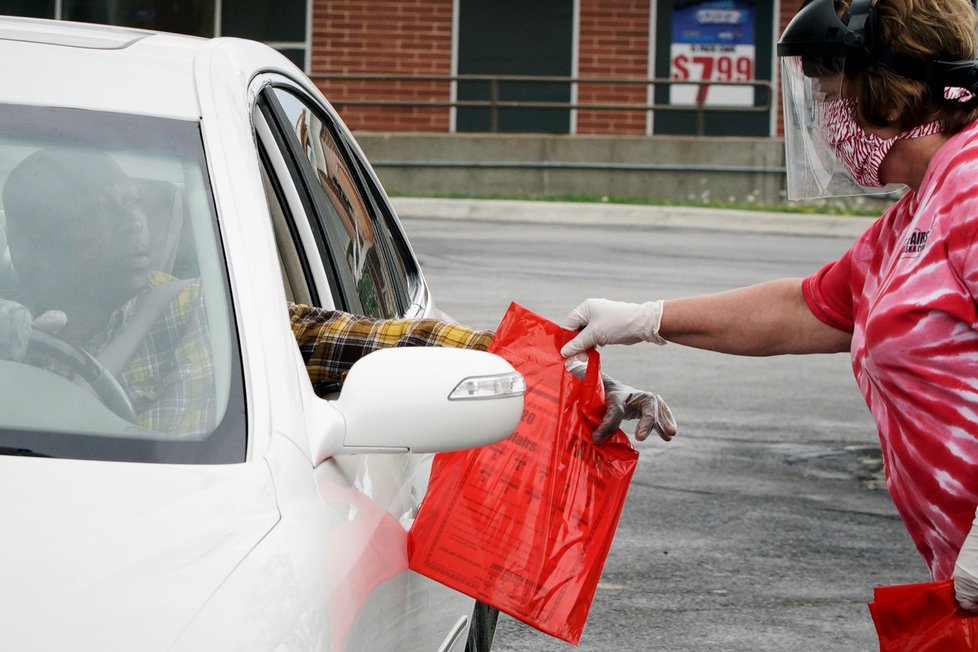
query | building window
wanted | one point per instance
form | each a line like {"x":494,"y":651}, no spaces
{"x":28,"y":8}
{"x":194,"y":17}
{"x":515,"y":37}
{"x":282,"y":24}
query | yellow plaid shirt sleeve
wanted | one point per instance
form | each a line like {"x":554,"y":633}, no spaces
{"x":331,"y":341}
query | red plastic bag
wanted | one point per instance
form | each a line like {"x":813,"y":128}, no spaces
{"x":525,"y":525}
{"x":922,"y":618}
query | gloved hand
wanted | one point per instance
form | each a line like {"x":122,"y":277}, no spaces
{"x":612,"y":322}
{"x":16,"y":324}
{"x":625,"y":403}
{"x":966,"y":571}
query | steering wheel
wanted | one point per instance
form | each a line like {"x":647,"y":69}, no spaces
{"x":44,"y":346}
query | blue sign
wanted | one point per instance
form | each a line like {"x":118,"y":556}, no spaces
{"x":713,"y":22}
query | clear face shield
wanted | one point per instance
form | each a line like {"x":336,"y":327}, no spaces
{"x":816,"y":112}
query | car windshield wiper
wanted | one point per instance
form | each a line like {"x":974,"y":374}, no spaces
{"x":22,"y":452}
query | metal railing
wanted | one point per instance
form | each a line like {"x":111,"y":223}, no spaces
{"x":494,"y":103}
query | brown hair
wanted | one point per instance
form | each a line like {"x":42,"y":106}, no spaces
{"x":931,"y":29}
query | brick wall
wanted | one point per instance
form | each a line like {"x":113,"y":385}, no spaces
{"x":414,"y":37}
{"x":392,"y":37}
{"x":786,"y":11}
{"x":614,"y":43}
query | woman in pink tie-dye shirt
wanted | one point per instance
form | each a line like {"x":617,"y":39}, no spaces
{"x":875,"y":93}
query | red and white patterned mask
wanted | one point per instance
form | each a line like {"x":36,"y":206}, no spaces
{"x":859,"y":151}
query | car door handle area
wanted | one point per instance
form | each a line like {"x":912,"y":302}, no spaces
{"x":455,"y":642}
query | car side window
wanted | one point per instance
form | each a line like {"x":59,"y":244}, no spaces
{"x":358,"y":243}
{"x":405,"y":264}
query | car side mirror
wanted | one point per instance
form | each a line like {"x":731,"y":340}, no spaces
{"x":428,"y":399}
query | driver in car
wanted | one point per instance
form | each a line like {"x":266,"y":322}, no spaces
{"x":79,"y":242}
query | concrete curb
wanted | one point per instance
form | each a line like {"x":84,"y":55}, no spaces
{"x":543,"y":212}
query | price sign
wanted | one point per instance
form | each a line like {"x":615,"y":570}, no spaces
{"x":713,"y":41}
{"x":712,"y":63}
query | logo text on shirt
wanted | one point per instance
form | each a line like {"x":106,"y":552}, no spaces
{"x":916,"y":241}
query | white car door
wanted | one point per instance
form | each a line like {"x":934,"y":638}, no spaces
{"x":339,"y":250}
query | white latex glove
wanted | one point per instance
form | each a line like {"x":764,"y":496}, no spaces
{"x":966,"y":571}
{"x":625,"y":403}
{"x":16,"y":324}
{"x":612,"y":322}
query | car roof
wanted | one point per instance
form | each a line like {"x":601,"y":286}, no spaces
{"x":120,"y":69}
{"x":79,"y":35}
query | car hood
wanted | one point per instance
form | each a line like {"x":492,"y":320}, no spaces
{"x":100,"y":555}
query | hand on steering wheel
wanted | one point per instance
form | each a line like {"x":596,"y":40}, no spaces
{"x":43,"y":346}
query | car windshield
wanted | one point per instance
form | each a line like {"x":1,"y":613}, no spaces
{"x":109,"y":243}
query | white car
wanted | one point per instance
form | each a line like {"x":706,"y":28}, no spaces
{"x":233,"y":506}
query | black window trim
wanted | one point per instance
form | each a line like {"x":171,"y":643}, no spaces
{"x":299,"y":169}
{"x":377,"y":211}
{"x":276,"y":187}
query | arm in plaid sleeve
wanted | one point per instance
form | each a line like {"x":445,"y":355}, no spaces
{"x":331,"y":341}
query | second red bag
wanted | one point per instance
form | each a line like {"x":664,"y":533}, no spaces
{"x":922,"y":618}
{"x":525,"y":525}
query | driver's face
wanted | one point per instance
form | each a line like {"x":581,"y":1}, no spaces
{"x":114,"y":245}
{"x":109,"y":248}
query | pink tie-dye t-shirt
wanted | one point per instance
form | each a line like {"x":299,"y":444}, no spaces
{"x":906,"y":290}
